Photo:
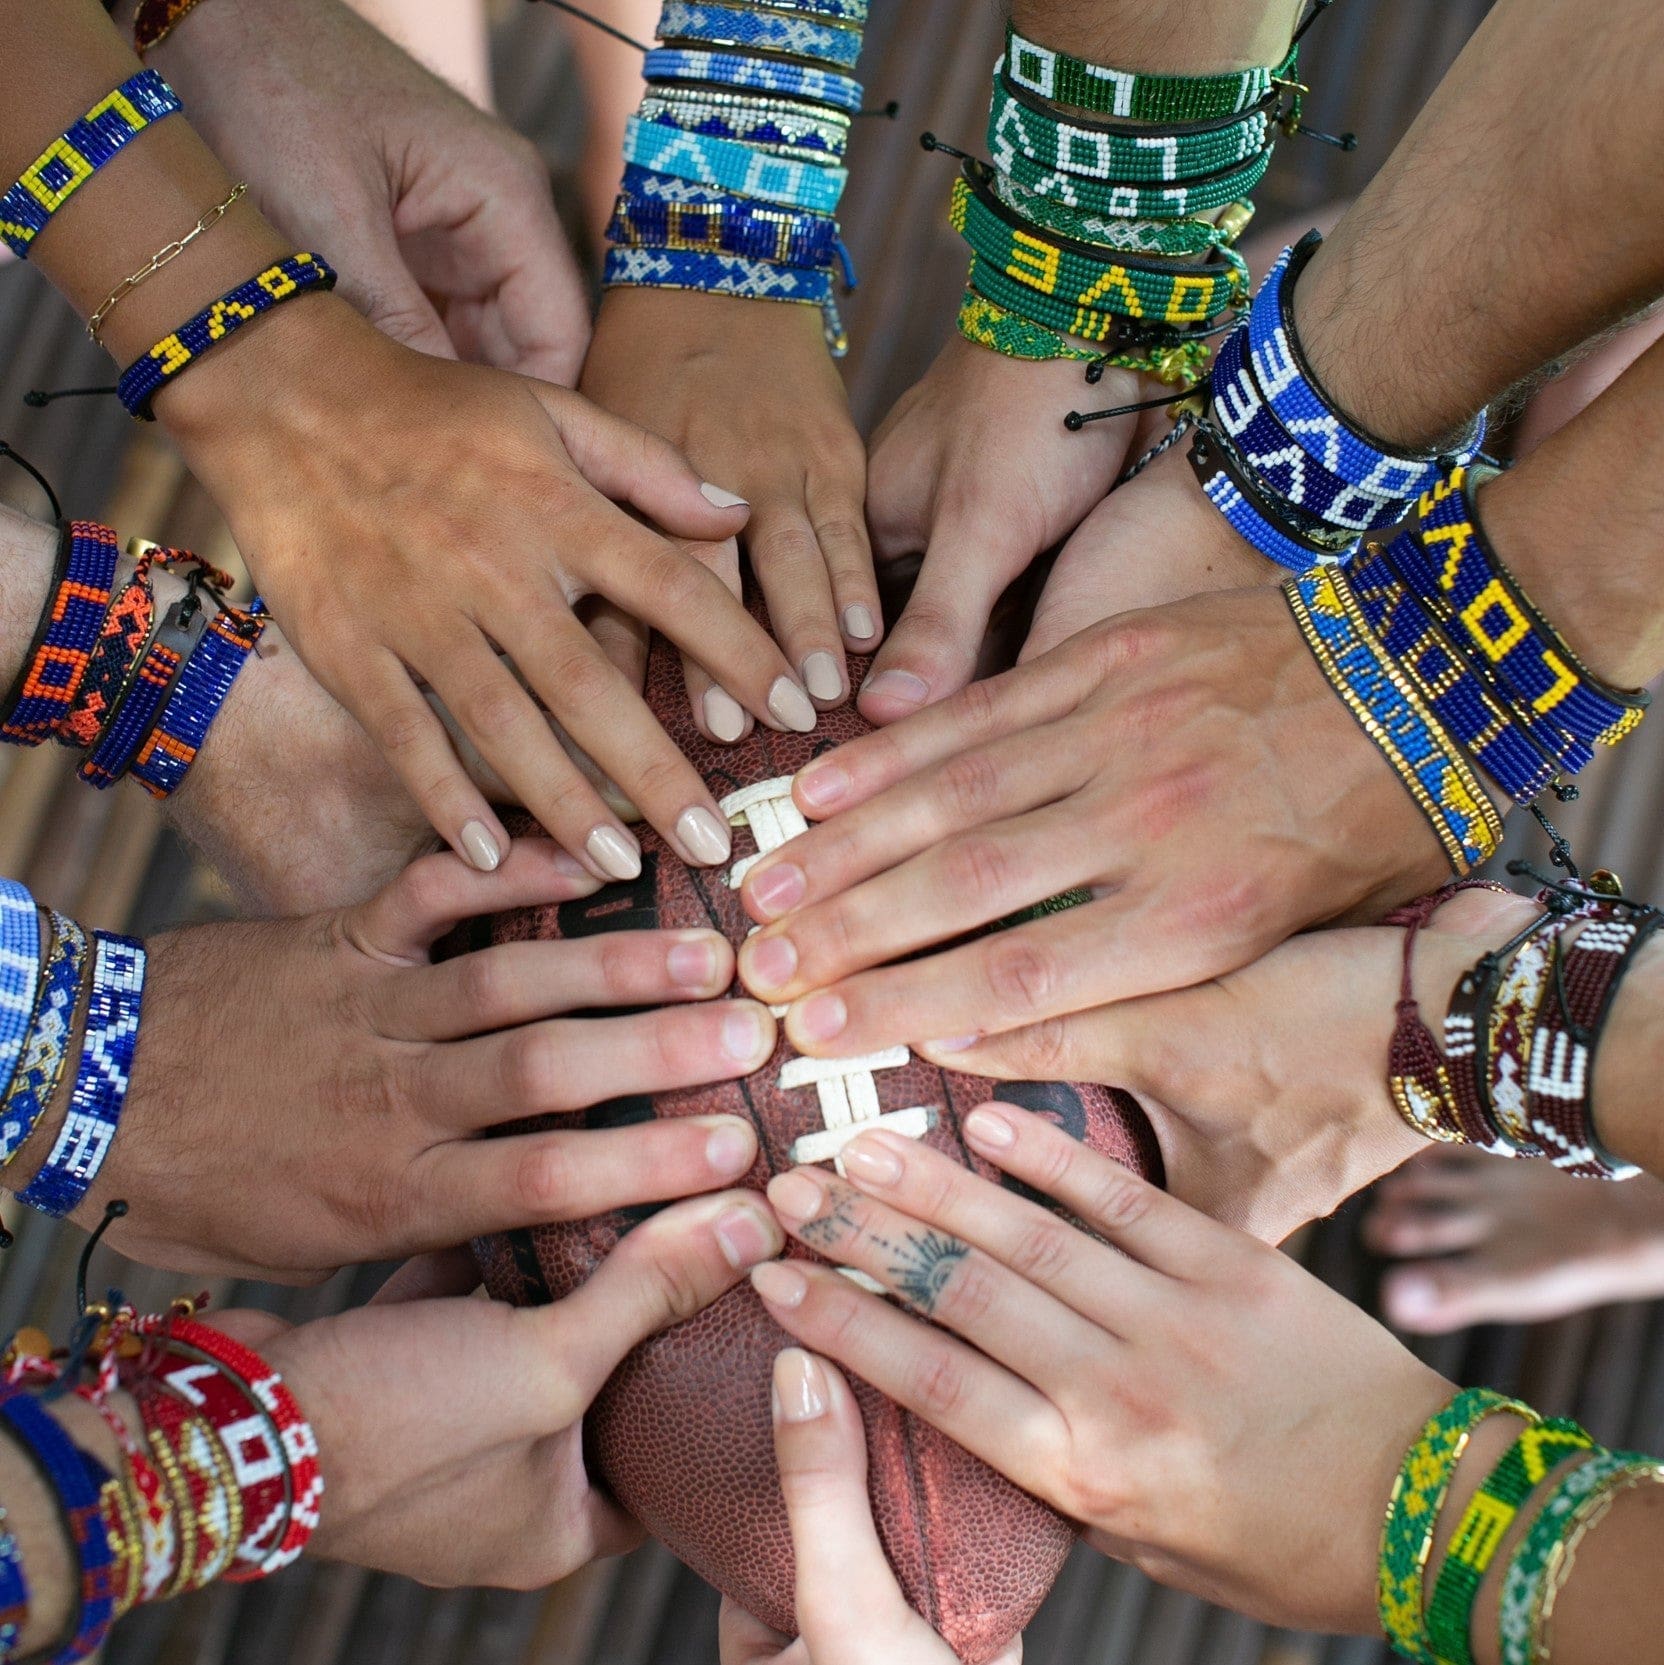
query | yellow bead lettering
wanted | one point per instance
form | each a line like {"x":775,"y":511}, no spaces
{"x":1476,"y":611}
{"x":1188,"y":304}
{"x":1565,"y":680}
{"x":1113,"y":280}
{"x":1034,"y":263}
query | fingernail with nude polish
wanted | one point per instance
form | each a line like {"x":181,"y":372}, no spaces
{"x":779,"y":1284}
{"x":858,"y":625}
{"x":794,"y":1196}
{"x":990,"y":1131}
{"x":480,"y":847}
{"x":873,"y":1161}
{"x":822,"y":677}
{"x":788,"y":704}
{"x":724,"y":715}
{"x":617,"y":856}
{"x":722,"y":499}
{"x":705,"y":839}
{"x":799,"y":1387}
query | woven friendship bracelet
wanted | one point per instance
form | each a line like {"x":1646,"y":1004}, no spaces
{"x":40,"y":1070}
{"x":1270,"y":527}
{"x":78,"y":153}
{"x":51,"y":678}
{"x":986,"y":324}
{"x":1196,"y":235}
{"x":1473,"y":714}
{"x":100,"y":1091}
{"x":734,"y":167}
{"x":1087,"y":280}
{"x":66,"y":1474}
{"x":207,"y":677}
{"x":726,"y":225}
{"x":1019,"y":125}
{"x":14,"y":1592}
{"x":19,"y":972}
{"x":799,"y":37}
{"x":1457,"y":560}
{"x":726,"y":69}
{"x":1485,"y":1522}
{"x":1118,"y":92}
{"x":142,"y":380}
{"x":764,"y":121}
{"x":1141,"y":202}
{"x":1418,"y":1495}
{"x":1423,"y":757}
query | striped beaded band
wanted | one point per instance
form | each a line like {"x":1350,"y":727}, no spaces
{"x":799,"y":37}
{"x":1473,"y":714}
{"x":1455,"y":559}
{"x":749,"y":120}
{"x":1484,"y":1524}
{"x":1268,"y":526}
{"x":1142,"y":202}
{"x":47,"y":686}
{"x":208,"y":674}
{"x":1120,"y":92}
{"x":1020,"y":126}
{"x":41,"y":1068}
{"x":14,"y":1592}
{"x":1083,"y":278}
{"x":142,"y":380}
{"x":101,"y":1079}
{"x":726,"y":69}
{"x":73,"y":158}
{"x":726,"y":225}
{"x":1192,"y":236}
{"x":68,"y":1478}
{"x":734,"y":167}
{"x":1423,"y":757}
{"x":19,"y":972}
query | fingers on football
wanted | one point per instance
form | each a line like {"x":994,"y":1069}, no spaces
{"x":786,"y":556}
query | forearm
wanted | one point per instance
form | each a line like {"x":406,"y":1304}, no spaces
{"x":1492,"y":240}
{"x":1174,"y":37}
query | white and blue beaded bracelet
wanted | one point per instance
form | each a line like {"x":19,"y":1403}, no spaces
{"x":734,"y":167}
{"x":19,"y":972}
{"x":41,"y":1067}
{"x":732,"y":69}
{"x":801,"y":37}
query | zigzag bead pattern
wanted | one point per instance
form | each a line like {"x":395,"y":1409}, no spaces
{"x":19,"y":972}
{"x":800,"y":37}
{"x":774,"y":126}
{"x":41,"y":1067}
{"x":734,"y":167}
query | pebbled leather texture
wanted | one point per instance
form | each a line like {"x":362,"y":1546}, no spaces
{"x":681,"y":1434}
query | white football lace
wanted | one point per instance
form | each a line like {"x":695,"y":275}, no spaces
{"x":848,"y":1093}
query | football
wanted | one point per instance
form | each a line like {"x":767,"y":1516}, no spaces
{"x":681,"y":1435}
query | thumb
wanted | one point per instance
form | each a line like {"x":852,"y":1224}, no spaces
{"x":1098,"y":1045}
{"x":743,"y":1640}
{"x":631,"y":465}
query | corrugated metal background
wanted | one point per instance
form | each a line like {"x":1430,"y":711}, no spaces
{"x":106,"y":858}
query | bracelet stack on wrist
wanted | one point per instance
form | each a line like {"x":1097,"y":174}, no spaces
{"x":1553,"y":1476}
{"x":735,"y":157}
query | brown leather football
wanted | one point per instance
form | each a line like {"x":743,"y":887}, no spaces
{"x":681,"y":1434}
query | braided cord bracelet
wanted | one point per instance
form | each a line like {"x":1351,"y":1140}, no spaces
{"x":799,"y":37}
{"x":78,"y":153}
{"x":40,"y":1070}
{"x":727,"y":69}
{"x":19,"y":972}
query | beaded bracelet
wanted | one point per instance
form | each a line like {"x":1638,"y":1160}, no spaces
{"x":770,"y":123}
{"x":40,"y":1070}
{"x":800,"y":37}
{"x":725,"y":225}
{"x":734,"y":167}
{"x":101,"y":1078}
{"x":987,"y":324}
{"x":1019,"y":125}
{"x":75,"y":156}
{"x":1269,"y":525}
{"x":844,"y":11}
{"x":1456,"y":559}
{"x":1467,"y":1046}
{"x":47,"y":685}
{"x":121,"y":641}
{"x":14,"y":1592}
{"x":66,"y":1474}
{"x":1072,"y":81}
{"x":1510,"y":1025}
{"x":725,"y":69}
{"x":1196,"y":235}
{"x":726,"y":274}
{"x":206,"y":678}
{"x":1425,"y":759}
{"x":155,"y":20}
{"x":19,"y":972}
{"x":1157,"y":201}
{"x":142,"y":380}
{"x":1412,"y":1519}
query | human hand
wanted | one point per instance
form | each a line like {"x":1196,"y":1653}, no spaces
{"x":1189,"y":765}
{"x":438,"y":215}
{"x":822,"y":1453}
{"x":975,"y":470}
{"x":450,"y":1431}
{"x":1208,"y":1411}
{"x":309,"y":1093}
{"x":407,"y":517}
{"x":748,"y":393}
{"x":1267,"y":1087}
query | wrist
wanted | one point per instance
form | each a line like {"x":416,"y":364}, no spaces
{"x":27,"y":550}
{"x":1629,"y":1064}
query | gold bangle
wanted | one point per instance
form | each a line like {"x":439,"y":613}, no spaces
{"x":157,"y":261}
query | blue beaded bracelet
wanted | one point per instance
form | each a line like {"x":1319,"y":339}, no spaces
{"x":41,"y":1067}
{"x":73,"y":158}
{"x":107,"y":1048}
{"x":845,"y":11}
{"x":801,"y":37}
{"x":718,"y":274}
{"x":734,"y":167}
{"x":1454,"y":559}
{"x":70,"y":1480}
{"x":19,"y":972}
{"x":730,"y":69}
{"x":723,"y":224}
{"x":779,"y":133}
{"x":1251,"y":515}
{"x":14,"y":1592}
{"x":141,"y":380}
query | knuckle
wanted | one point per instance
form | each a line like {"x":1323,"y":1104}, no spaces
{"x":1044,"y":1049}
{"x":1115,"y":1199}
{"x":976,"y":708}
{"x":580,"y":678}
{"x":494,"y":707}
{"x":675,"y":1285}
{"x":969,"y":1294}
{"x":927,"y":622}
{"x":531,"y":1073}
{"x":970,"y":785}
{"x":674,"y":580}
{"x":1054,"y":1160}
{"x":1167,"y":802}
{"x":1022,"y":976}
{"x":840,"y":532}
{"x":1128,"y":640}
{"x":658,"y":777}
{"x":977,"y":868}
{"x":938,"y":1384}
{"x":1230,"y":905}
{"x":539,"y":1177}
{"x":1042,"y":1252}
{"x":399,"y":728}
{"x":484,"y":985}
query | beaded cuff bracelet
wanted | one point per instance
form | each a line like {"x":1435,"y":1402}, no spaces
{"x":1422,"y":755}
{"x":73,"y":158}
{"x":19,"y":972}
{"x":1173,"y":238}
{"x":734,"y":167}
{"x":1455,"y":560}
{"x":122,"y":635}
{"x":1119,"y":92}
{"x":773,"y":123}
{"x":1485,"y":1522}
{"x":727,"y":274}
{"x":799,"y":37}
{"x":100,"y":1091}
{"x":142,"y":380}
{"x":67,"y":1475}
{"x":1509,"y":1026}
{"x":1466,"y":1050}
{"x":1271,"y":527}
{"x":182,"y":728}
{"x":41,"y":1068}
{"x":726,"y":69}
{"x":1142,"y":202}
{"x":725,"y":225}
{"x":14,"y":1592}
{"x":851,"y":12}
